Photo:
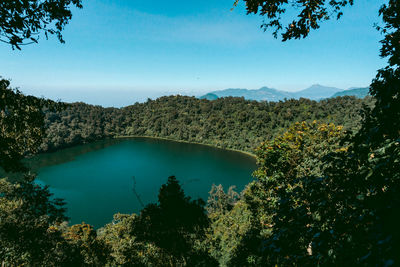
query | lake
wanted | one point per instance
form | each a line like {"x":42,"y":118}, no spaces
{"x":96,"y":180}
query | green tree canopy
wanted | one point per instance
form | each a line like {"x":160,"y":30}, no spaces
{"x":30,"y":227}
{"x":22,"y":21}
{"x":343,"y":209}
{"x":174,"y":224}
{"x":22,"y":126}
{"x":309,"y":15}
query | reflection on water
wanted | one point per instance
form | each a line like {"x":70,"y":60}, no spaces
{"x":67,"y":154}
{"x":96,"y":179}
{"x":54,"y":158}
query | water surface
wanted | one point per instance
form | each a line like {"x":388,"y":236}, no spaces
{"x":96,"y":179}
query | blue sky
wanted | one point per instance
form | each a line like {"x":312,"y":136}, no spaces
{"x":118,"y":52}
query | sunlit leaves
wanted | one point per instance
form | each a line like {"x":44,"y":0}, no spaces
{"x":282,"y":200}
{"x":30,"y":226}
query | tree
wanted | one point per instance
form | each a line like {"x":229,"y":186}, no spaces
{"x":31,"y":221}
{"x":346,"y":213}
{"x":94,"y":250}
{"x":230,"y":221}
{"x":382,"y":121}
{"x":219,"y":201}
{"x":126,"y":250}
{"x":31,"y":227}
{"x":175,"y":224}
{"x":309,"y":14}
{"x":21,"y":125}
{"x":22,"y":21}
{"x":279,"y":199}
{"x":167,"y":233}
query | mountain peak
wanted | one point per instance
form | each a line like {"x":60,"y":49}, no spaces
{"x":314,"y":92}
{"x":317,"y":92}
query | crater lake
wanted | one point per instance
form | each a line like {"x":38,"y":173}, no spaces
{"x":103,"y":178}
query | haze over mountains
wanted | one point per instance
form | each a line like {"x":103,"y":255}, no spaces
{"x":358,"y":92}
{"x":315,"y":92}
{"x":114,"y":97}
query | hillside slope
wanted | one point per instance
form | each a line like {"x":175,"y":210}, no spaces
{"x":233,"y":123}
{"x":357,"y":92}
{"x":315,"y":92}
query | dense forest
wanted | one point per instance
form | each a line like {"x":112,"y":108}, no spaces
{"x":178,"y":231}
{"x":322,"y":195}
{"x":230,"y":122}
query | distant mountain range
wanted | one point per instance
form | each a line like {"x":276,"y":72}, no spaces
{"x":315,"y":92}
{"x":358,"y":92}
{"x":209,"y":96}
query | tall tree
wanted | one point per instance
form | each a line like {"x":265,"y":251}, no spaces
{"x":348,"y":213}
{"x":21,"y":125}
{"x":175,"y":224}
{"x":31,"y":227}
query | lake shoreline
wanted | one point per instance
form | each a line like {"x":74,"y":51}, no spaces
{"x":83,"y":175}
{"x":183,"y":141}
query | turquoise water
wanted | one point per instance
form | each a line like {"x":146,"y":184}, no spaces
{"x":96,"y":179}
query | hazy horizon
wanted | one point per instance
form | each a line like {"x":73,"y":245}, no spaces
{"x":115,"y":97}
{"x":119,"y":52}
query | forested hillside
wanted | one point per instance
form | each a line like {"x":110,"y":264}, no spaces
{"x":81,"y":123}
{"x":322,"y":196}
{"x":314,"y":92}
{"x":357,"y":92}
{"x":230,"y":122}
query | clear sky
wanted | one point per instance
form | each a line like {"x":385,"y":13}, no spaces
{"x":118,"y":52}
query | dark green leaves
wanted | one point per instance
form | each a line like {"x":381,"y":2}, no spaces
{"x":22,"y":21}
{"x":21,"y":125}
{"x":309,"y":15}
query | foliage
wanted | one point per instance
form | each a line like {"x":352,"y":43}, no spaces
{"x":30,"y":224}
{"x":230,"y":122}
{"x":221,"y":202}
{"x":321,"y":196}
{"x":21,"y":22}
{"x":309,"y":14}
{"x":279,"y":200}
{"x":125,"y":249}
{"x":345,"y":212}
{"x":22,"y":125}
{"x":376,"y":152}
{"x":230,"y":221}
{"x":301,"y":147}
{"x":33,"y":231}
{"x":167,"y":233}
{"x":80,"y":123}
{"x":93,"y":250}
{"x":164,"y":233}
{"x":175,"y":224}
{"x":365,"y":181}
{"x":342,"y":208}
{"x":382,"y":122}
